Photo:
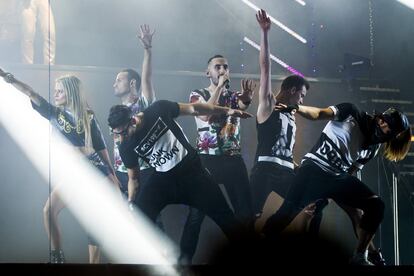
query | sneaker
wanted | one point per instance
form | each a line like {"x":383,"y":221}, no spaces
{"x":57,"y":257}
{"x":184,"y":259}
{"x":360,"y":259}
{"x":376,"y":258}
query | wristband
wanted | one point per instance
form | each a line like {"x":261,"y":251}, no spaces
{"x":9,"y":78}
{"x":291,"y":107}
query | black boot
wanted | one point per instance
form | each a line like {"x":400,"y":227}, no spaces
{"x":375,"y":257}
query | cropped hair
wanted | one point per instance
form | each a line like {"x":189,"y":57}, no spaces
{"x":119,"y":115}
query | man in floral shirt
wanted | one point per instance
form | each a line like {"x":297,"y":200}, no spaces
{"x":218,"y":144}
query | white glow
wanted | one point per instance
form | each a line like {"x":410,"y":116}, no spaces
{"x":93,"y":200}
{"x":408,"y":3}
{"x":303,"y":3}
{"x":274,"y":58}
{"x":278,"y":23}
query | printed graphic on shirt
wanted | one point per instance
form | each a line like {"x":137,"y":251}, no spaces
{"x":140,"y":105}
{"x":221,"y":134}
{"x":285,"y":141}
{"x":161,"y":148}
{"x":66,"y":123}
{"x":331,"y":155}
{"x":340,"y":145}
{"x":276,"y":139}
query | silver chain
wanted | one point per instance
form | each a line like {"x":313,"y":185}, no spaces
{"x":371,"y":33}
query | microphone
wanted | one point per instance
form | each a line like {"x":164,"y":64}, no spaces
{"x":227,"y":84}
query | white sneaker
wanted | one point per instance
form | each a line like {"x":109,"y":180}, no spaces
{"x":360,"y":259}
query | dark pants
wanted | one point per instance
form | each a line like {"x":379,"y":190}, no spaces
{"x":232,"y":173}
{"x":267,"y":177}
{"x":144,"y":176}
{"x":191,"y":186}
{"x":312,"y":183}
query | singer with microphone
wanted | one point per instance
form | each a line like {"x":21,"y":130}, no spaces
{"x":218,"y":144}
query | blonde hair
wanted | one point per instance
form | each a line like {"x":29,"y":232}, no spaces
{"x":76,"y":103}
{"x":397,"y":148}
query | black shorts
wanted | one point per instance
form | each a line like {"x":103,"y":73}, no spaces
{"x":265,"y":178}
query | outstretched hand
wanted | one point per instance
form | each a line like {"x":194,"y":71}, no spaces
{"x":263,"y":19}
{"x":247,"y":87}
{"x":286,"y":108}
{"x":145,"y":36}
{"x":279,"y":107}
{"x":239,"y":113}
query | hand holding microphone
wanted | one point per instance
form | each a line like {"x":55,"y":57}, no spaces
{"x":227,"y":84}
{"x":224,"y":81}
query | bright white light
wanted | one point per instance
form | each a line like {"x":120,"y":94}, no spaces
{"x":303,"y":3}
{"x":274,"y":58}
{"x":94,"y":201}
{"x":408,"y":3}
{"x":278,"y":23}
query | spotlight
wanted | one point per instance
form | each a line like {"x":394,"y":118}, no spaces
{"x":407,"y":3}
{"x":303,"y":3}
{"x":278,"y":23}
{"x":98,"y":206}
{"x":276,"y":59}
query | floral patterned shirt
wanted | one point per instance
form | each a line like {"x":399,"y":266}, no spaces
{"x":221,"y":134}
{"x":138,"y":106}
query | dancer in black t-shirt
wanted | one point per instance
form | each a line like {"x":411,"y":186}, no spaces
{"x":347,"y":142}
{"x":179,"y":178}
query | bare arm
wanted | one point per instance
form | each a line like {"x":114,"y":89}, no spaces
{"x":146,"y":82}
{"x":21,"y":86}
{"x":308,"y":112}
{"x":315,"y":113}
{"x":266,"y":100}
{"x":133,"y":183}
{"x":199,"y":109}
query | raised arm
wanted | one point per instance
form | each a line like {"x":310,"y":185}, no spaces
{"x":21,"y":86}
{"x":146,"y":82}
{"x":266,"y":100}
{"x":199,"y":109}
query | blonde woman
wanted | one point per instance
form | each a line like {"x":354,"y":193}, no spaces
{"x":73,"y":118}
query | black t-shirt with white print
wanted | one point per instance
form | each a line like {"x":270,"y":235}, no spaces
{"x":276,"y":139}
{"x":341,"y":144}
{"x":160,"y":142}
{"x":64,"y":121}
